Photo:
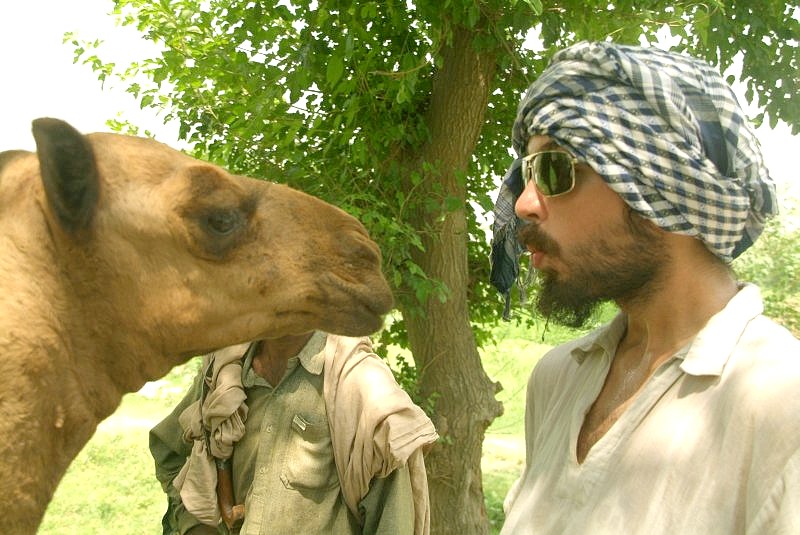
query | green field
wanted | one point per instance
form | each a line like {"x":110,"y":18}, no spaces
{"x":110,"y":485}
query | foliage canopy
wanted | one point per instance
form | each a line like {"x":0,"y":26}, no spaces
{"x":329,"y":96}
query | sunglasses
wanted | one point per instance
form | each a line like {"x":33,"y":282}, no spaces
{"x":553,"y":172}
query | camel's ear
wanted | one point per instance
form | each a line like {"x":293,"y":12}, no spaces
{"x":69,"y":172}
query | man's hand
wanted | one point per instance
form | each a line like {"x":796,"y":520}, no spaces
{"x":202,"y":529}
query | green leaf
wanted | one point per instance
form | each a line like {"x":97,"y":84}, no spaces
{"x":334,"y":70}
{"x":535,"y":5}
{"x":451,"y":204}
{"x":473,"y":14}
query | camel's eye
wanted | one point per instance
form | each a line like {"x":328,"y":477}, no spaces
{"x":217,"y":228}
{"x":223,"y":222}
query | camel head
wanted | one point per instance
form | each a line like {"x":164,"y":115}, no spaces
{"x":144,"y":246}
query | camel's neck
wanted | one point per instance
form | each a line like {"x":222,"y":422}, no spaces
{"x":60,"y":379}
{"x":48,"y":416}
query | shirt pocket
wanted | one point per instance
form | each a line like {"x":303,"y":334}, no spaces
{"x":309,"y":461}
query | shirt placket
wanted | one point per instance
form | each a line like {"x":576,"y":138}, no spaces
{"x":271,"y":450}
{"x":604,"y":453}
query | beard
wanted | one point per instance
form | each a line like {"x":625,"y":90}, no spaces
{"x":623,"y":267}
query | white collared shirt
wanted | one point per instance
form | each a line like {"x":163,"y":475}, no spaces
{"x":711,"y":444}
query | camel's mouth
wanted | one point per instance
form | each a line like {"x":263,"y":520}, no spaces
{"x":369,"y":300}
{"x":380,"y":302}
{"x":339,"y":306}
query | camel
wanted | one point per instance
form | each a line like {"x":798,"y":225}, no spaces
{"x":121,"y":258}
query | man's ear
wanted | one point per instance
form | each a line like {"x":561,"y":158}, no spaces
{"x":68,"y":171}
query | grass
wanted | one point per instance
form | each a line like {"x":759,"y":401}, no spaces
{"x":509,"y":362}
{"x":111,"y":484}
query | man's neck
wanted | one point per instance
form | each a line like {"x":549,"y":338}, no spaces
{"x":690,"y":291}
{"x":270,"y":359}
{"x":283,"y":348}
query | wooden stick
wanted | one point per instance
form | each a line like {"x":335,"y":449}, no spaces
{"x":232,"y":515}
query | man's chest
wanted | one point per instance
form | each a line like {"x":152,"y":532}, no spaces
{"x":622,"y":385}
{"x":278,"y":419}
{"x":657,"y":449}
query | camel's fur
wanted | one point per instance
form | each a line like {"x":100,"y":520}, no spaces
{"x":112,"y":272}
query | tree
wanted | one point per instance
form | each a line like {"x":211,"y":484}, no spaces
{"x":400,"y":112}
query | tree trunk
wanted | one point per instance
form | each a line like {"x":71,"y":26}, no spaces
{"x":441,"y":338}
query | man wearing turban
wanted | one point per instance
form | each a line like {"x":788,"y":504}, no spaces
{"x":638,"y":181}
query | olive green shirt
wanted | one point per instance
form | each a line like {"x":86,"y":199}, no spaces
{"x":283,"y":467}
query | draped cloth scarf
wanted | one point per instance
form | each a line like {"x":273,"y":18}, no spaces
{"x":213,"y":424}
{"x":663,"y":130}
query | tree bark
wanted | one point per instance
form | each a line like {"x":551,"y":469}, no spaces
{"x":440,"y":337}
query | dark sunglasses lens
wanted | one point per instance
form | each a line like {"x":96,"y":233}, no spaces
{"x":553,"y":172}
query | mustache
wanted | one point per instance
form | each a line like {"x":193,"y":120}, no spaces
{"x":530,"y":235}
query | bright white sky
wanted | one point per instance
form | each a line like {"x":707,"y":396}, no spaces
{"x":40,"y":79}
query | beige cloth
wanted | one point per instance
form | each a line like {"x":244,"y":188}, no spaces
{"x":375,"y":427}
{"x":222,"y":414}
{"x":711,"y":445}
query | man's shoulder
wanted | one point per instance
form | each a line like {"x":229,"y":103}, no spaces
{"x":762,"y":378}
{"x":767,"y":349}
{"x":353,"y":362}
{"x":765,"y":328}
{"x":348,"y":344}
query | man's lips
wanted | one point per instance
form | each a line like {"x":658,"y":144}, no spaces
{"x":539,"y":244}
{"x":536,"y":257}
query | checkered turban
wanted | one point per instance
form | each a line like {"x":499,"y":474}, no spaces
{"x":663,"y":130}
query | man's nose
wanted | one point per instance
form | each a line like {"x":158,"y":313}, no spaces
{"x":530,"y":205}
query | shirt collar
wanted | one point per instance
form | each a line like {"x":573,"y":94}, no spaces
{"x":605,"y":338}
{"x":714,"y":344}
{"x":707,"y":353}
{"x":311,"y":357}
